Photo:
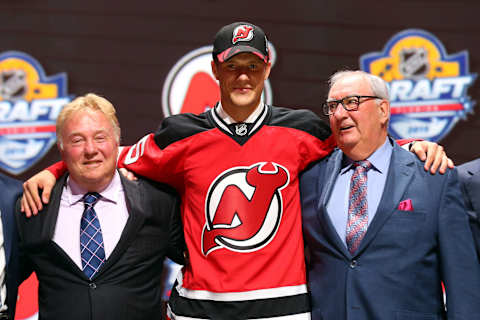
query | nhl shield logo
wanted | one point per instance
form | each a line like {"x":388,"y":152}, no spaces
{"x":428,"y":87}
{"x":414,"y":63}
{"x":29,"y":105}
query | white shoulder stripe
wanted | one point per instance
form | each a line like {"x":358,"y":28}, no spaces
{"x":260,"y":119}
{"x":219,"y":122}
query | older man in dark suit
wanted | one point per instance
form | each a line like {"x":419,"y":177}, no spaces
{"x":98,"y":247}
{"x":10,"y":271}
{"x":469,"y":176}
{"x":382,"y":232}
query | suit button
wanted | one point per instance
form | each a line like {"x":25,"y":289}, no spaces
{"x":93,"y":285}
{"x":353,"y":264}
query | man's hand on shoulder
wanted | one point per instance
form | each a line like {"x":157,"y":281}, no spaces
{"x":128,"y":174}
{"x":434,"y":156}
{"x":31,"y":202}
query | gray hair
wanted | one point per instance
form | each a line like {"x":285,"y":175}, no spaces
{"x":377,"y":85}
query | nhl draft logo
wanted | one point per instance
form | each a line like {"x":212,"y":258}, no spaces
{"x":190,"y":85}
{"x":242,"y":33}
{"x":428,"y":87}
{"x":244,"y":208}
{"x":29,"y":105}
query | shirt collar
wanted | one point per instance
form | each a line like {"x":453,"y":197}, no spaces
{"x":229,"y":120}
{"x":74,"y":192}
{"x":380,"y":159}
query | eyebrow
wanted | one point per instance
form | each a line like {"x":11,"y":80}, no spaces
{"x":78,"y":133}
{"x":349,"y":96}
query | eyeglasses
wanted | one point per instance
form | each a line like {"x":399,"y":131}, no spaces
{"x":349,"y":103}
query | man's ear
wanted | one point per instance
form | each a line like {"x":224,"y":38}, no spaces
{"x":214,"y":69}
{"x":384,"y":109}
{"x":60,"y":149}
{"x":267,"y":70}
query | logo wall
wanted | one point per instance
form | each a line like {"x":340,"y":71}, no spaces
{"x":190,"y":85}
{"x":428,"y":87}
{"x":30,"y":102}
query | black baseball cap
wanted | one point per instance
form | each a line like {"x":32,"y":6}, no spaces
{"x":240,"y":37}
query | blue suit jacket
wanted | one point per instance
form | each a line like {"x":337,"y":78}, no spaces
{"x":469,"y":176}
{"x":11,"y":189}
{"x":398,"y":268}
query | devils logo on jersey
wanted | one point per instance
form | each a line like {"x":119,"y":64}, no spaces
{"x":244,"y":208}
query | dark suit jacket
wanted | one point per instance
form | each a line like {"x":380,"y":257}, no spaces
{"x":128,"y":285}
{"x":397,"y":271}
{"x":469,"y":176}
{"x":11,"y":189}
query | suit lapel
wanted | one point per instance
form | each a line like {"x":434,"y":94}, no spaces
{"x":42,"y":228}
{"x":51,"y":214}
{"x":135,"y":200}
{"x":400,"y":173}
{"x":325,"y":186}
{"x":49,"y":225}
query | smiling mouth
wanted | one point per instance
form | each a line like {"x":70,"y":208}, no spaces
{"x":346,"y":128}
{"x":92,"y":163}
{"x":243,"y":89}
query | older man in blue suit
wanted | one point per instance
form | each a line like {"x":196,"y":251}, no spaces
{"x":469,"y":176}
{"x":10,"y":273}
{"x":383,"y":233}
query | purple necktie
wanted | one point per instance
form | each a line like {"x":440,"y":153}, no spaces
{"x":92,"y":249}
{"x":357,"y":206}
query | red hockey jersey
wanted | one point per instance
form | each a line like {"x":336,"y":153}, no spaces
{"x":240,"y":209}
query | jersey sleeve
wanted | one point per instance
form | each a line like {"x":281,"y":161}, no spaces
{"x":147,"y":159}
{"x":161,"y":156}
{"x":314,"y":137}
{"x":58,"y":169}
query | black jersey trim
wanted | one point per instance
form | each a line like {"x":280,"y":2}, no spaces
{"x":241,"y":140}
{"x":181,"y":126}
{"x":301,"y":119}
{"x":233,"y":310}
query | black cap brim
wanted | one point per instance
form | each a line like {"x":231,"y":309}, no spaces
{"x":230,"y":52}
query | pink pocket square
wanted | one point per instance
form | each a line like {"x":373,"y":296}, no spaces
{"x":405,"y":205}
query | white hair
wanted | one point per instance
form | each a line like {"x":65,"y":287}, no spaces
{"x":377,"y":85}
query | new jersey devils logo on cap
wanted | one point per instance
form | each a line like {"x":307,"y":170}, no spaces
{"x":242,"y":33}
{"x":244,"y":208}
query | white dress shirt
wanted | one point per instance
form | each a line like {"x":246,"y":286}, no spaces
{"x":337,"y":206}
{"x":111,"y":210}
{"x":229,"y":120}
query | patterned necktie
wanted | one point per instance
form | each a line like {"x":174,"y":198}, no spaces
{"x":357,"y":206}
{"x":92,"y":249}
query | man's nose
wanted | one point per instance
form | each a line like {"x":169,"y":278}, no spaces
{"x":242,"y":75}
{"x":90,"y":146}
{"x":339,"y":111}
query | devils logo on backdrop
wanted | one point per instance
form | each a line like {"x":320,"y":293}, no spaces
{"x":244,"y":208}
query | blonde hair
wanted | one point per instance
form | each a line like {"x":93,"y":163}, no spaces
{"x":91,"y":102}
